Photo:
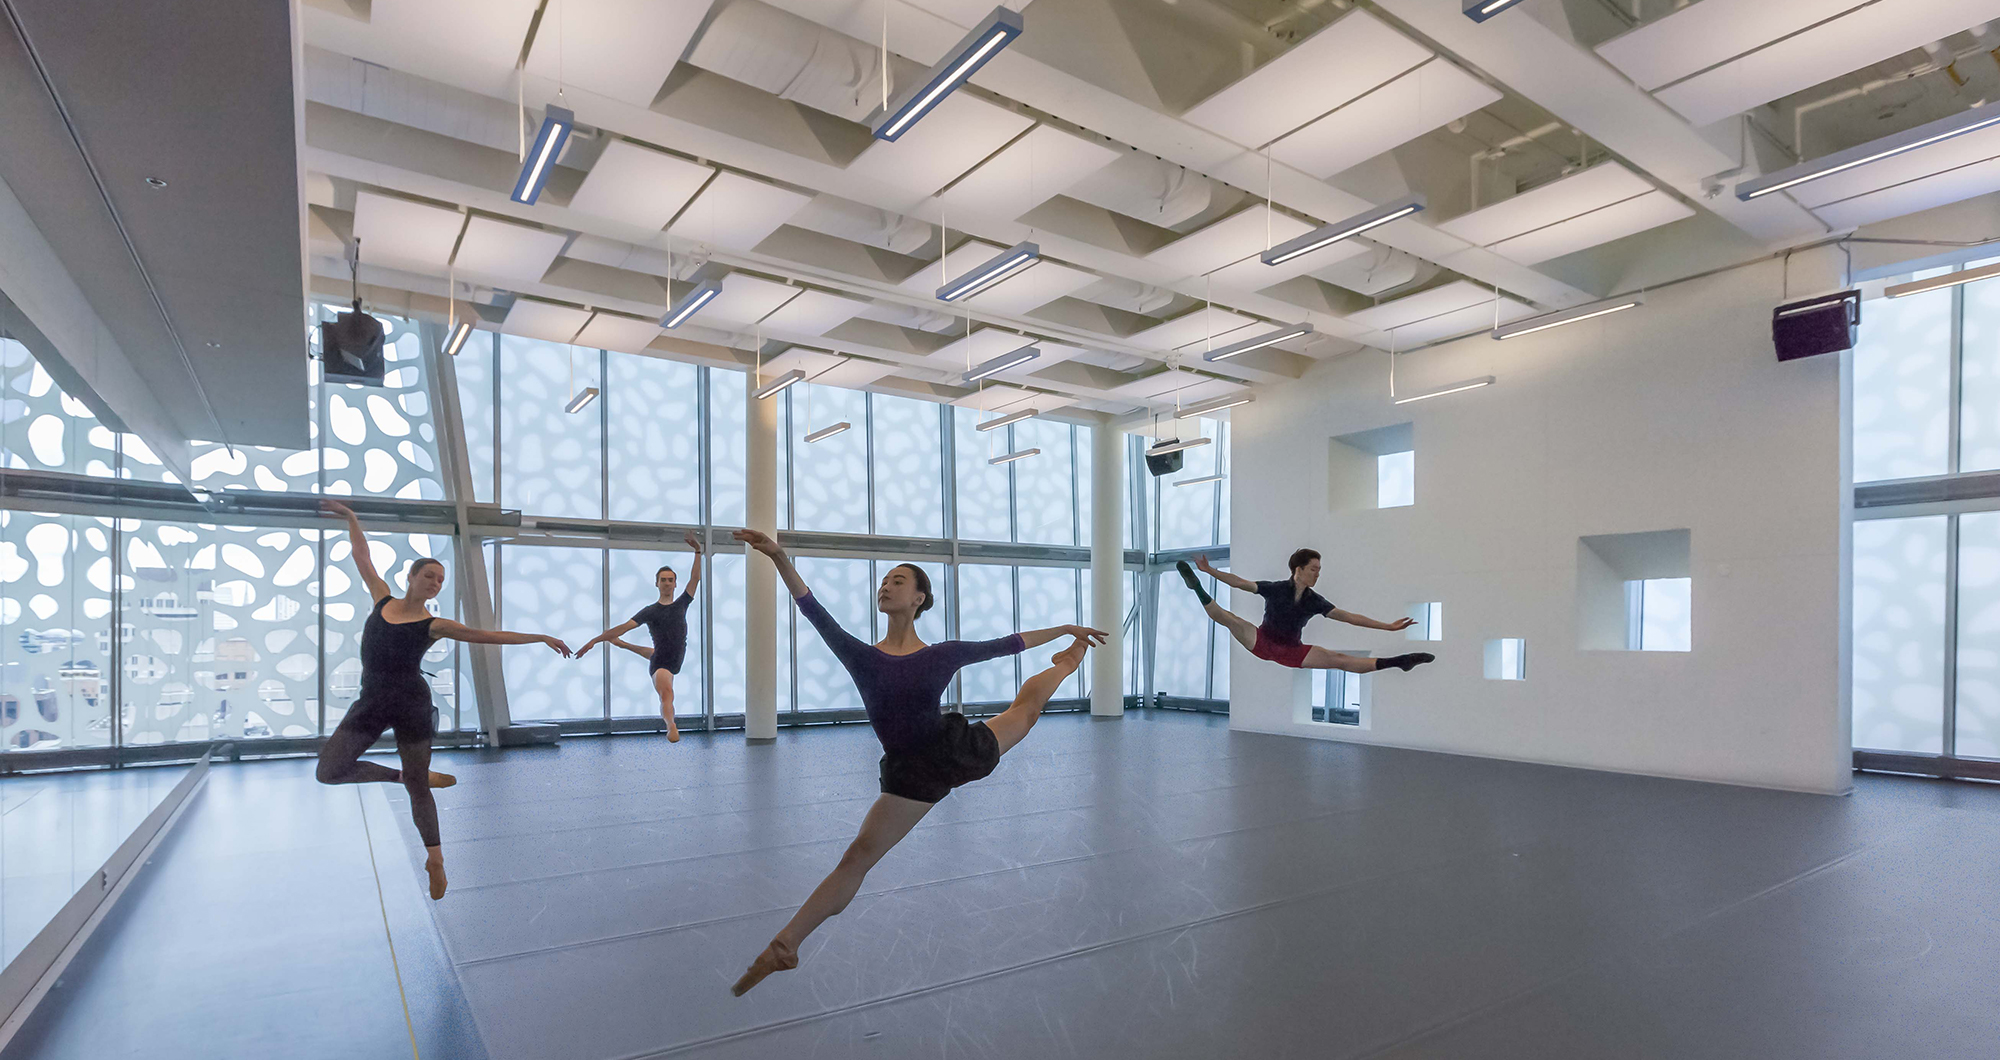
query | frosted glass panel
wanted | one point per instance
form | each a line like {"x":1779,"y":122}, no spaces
{"x":632,"y":588}
{"x":474,"y":368}
{"x":1979,"y":635}
{"x":551,"y":461}
{"x":1085,"y":477}
{"x":1979,"y":410}
{"x":982,"y":488}
{"x":1180,"y":660}
{"x":1046,"y":508}
{"x":728,"y":437}
{"x":829,"y":477}
{"x":1899,"y":634}
{"x":43,"y":428}
{"x":909,"y":467}
{"x":55,"y":633}
{"x":1187,"y":513}
{"x":844,"y":587}
{"x":726,"y":583}
{"x":986,"y":611}
{"x":1902,"y":387}
{"x":1049,"y":598}
{"x":655,"y":440}
{"x":559,"y":591}
{"x":1396,"y":480}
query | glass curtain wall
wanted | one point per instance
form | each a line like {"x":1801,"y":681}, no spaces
{"x":1180,"y":516}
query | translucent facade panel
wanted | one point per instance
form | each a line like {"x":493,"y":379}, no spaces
{"x":1979,"y":397}
{"x":551,"y":461}
{"x":1187,"y":514}
{"x":1219,"y":641}
{"x":1978,"y":635}
{"x":474,"y":368}
{"x":1666,"y":614}
{"x":830,"y":476}
{"x":1899,"y":598}
{"x":1049,"y":598}
{"x":909,"y":467}
{"x":1085,"y":480}
{"x":44,"y":429}
{"x":1134,"y":643}
{"x":55,"y":631}
{"x":726,"y":587}
{"x":633,"y":588}
{"x":846,"y":588}
{"x":558,"y":591}
{"x":986,"y":611}
{"x":1182,"y":629}
{"x":983,"y":490}
{"x":1396,"y":480}
{"x":1902,"y":387}
{"x":1044,"y":485}
{"x":654,"y":439}
{"x":347,"y":605}
{"x":728,"y":441}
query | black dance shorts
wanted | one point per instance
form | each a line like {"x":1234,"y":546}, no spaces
{"x":408,"y":711}
{"x":962,"y":753}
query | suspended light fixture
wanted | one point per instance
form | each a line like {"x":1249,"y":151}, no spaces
{"x":1209,"y":408}
{"x":827,"y":432}
{"x":1328,"y":235}
{"x":1011,"y":418}
{"x":1571,"y":315}
{"x":557,"y":122}
{"x":1258,"y":343}
{"x":454,"y":339}
{"x":687,"y":305}
{"x":993,"y":33}
{"x":1873,"y":151}
{"x":1008,"y":458}
{"x":1002,"y":363}
{"x":1205,"y":479}
{"x":1470,"y":384}
{"x":583,"y":397}
{"x":1949,"y":279}
{"x":1009,"y":262}
{"x":780,"y":383}
{"x":1481,"y":10}
{"x":1176,"y":446}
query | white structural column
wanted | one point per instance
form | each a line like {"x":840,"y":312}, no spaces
{"x":1107,"y":568}
{"x":760,"y":692}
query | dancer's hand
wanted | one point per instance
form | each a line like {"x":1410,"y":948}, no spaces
{"x":1400,"y":624}
{"x":760,"y":541}
{"x":1084,"y":633}
{"x":1201,"y":564}
{"x":558,"y":646}
{"x":336,"y":508}
{"x":692,"y":542}
{"x":585,"y":650}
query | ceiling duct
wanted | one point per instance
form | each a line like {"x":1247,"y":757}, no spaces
{"x":853,"y":221}
{"x":1382,"y":269}
{"x":1157,"y":192}
{"x":796,"y":59}
{"x":1130,"y":295}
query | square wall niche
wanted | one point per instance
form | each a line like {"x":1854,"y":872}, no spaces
{"x":1635,"y":592}
{"x":1339,"y":697}
{"x":1372,"y":469}
{"x":1507,"y":659}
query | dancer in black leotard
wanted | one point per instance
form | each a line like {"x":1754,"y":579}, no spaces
{"x":925,"y":752}
{"x":394,"y":694}
{"x":666,"y":619}
{"x":1288,"y":606}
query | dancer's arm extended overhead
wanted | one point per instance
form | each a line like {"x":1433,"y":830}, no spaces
{"x":694,"y":572}
{"x":364,"y":564}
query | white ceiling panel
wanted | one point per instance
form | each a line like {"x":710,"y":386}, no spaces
{"x":1701,"y":35}
{"x":977,"y":348}
{"x":854,"y":373}
{"x":968,"y":255}
{"x":1952,"y":185}
{"x":1327,"y":69}
{"x":1620,"y":219}
{"x":638,"y":186}
{"x":745,"y":299}
{"x":990,"y":397}
{"x":1162,"y":386}
{"x":615,"y":331}
{"x":814,"y":313}
{"x":1594,"y":188}
{"x":1459,"y":322}
{"x":1970,"y":149}
{"x":405,"y":234}
{"x":1043,"y":164}
{"x":736,"y":212}
{"x":1251,"y":230}
{"x":1402,"y":110}
{"x":544,"y":320}
{"x":952,"y":139}
{"x":507,"y":251}
{"x":1193,"y":326}
{"x":1869,"y":33}
{"x":1411,"y":308}
{"x":623,"y":49}
{"x":1251,"y":274}
{"x":488,"y":30}
{"x":1038,"y":286}
{"x":810,"y":361}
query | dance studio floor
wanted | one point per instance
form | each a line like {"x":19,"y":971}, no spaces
{"x":1156,"y":886}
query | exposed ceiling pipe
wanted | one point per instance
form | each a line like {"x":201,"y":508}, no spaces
{"x":1941,"y":58}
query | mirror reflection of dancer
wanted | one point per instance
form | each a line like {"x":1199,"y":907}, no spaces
{"x":394,"y":693}
{"x":1288,"y":606}
{"x":667,"y":620}
{"x":925,"y":752}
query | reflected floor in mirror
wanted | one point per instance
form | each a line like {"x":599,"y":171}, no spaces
{"x":57,"y":830}
{"x":1156,"y":886}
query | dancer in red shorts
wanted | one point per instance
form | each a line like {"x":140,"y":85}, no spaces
{"x":1288,"y":606}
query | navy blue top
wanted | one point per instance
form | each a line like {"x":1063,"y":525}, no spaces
{"x":1286,"y":612}
{"x":668,"y":624}
{"x":903,"y":694}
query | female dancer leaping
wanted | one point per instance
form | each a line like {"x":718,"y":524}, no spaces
{"x":394,"y":694}
{"x":925,"y":752}
{"x":666,"y":619}
{"x":1288,"y":606}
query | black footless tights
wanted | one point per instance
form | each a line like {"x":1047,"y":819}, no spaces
{"x":340,"y":763}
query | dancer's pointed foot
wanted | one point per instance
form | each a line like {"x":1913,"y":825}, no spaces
{"x":1193,"y":582}
{"x":673,"y":730}
{"x":1405,"y":662}
{"x":777,"y":957}
{"x":442,"y":780}
{"x":1071,"y":657}
{"x":435,"y":868}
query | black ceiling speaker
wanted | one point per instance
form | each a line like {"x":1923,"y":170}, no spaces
{"x":1826,"y":324}
{"x":350,"y":345}
{"x":1164,"y":463}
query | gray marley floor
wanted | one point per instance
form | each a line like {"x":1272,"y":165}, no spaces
{"x":1162,"y":887}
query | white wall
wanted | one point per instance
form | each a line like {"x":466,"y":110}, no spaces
{"x":1673,"y":415}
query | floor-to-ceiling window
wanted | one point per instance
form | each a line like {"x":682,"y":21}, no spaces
{"x":1180,"y":516}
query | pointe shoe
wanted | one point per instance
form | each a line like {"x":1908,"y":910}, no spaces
{"x":777,"y":957}
{"x":436,"y":871}
{"x":442,"y":780}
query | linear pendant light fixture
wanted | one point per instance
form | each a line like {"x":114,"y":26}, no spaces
{"x":455,"y":341}
{"x":827,"y":432}
{"x":1873,"y":151}
{"x":1008,"y":458}
{"x":1009,"y":262}
{"x":1210,"y":408}
{"x":993,"y":33}
{"x":707,"y":286}
{"x":1271,"y":338}
{"x":1469,"y":384}
{"x":1176,"y":446}
{"x":1002,"y":363}
{"x":1328,"y":235}
{"x":1567,"y":316}
{"x":583,"y":397}
{"x":1011,"y":418}
{"x":1949,"y":279}
{"x":1202,"y":481}
{"x":780,"y":383}
{"x":557,"y":123}
{"x":1481,"y":10}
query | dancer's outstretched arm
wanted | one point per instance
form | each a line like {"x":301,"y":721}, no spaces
{"x":1223,"y":576}
{"x":1365,"y":622}
{"x":694,"y":572}
{"x":608,"y":636}
{"x":762,"y":542}
{"x":1035,"y":638}
{"x":446,"y":629}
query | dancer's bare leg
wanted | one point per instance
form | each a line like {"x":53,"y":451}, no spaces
{"x":1238,"y":626}
{"x":663,"y":683}
{"x":340,"y":762}
{"x":888,"y":821}
{"x":1322,"y":659}
{"x":1010,"y":725}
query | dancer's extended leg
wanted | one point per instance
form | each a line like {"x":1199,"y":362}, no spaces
{"x":1322,"y":659}
{"x":1010,"y":725}
{"x":888,"y":821}
{"x":340,"y":761}
{"x":416,"y":756}
{"x":1238,"y":626}
{"x":663,"y":683}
